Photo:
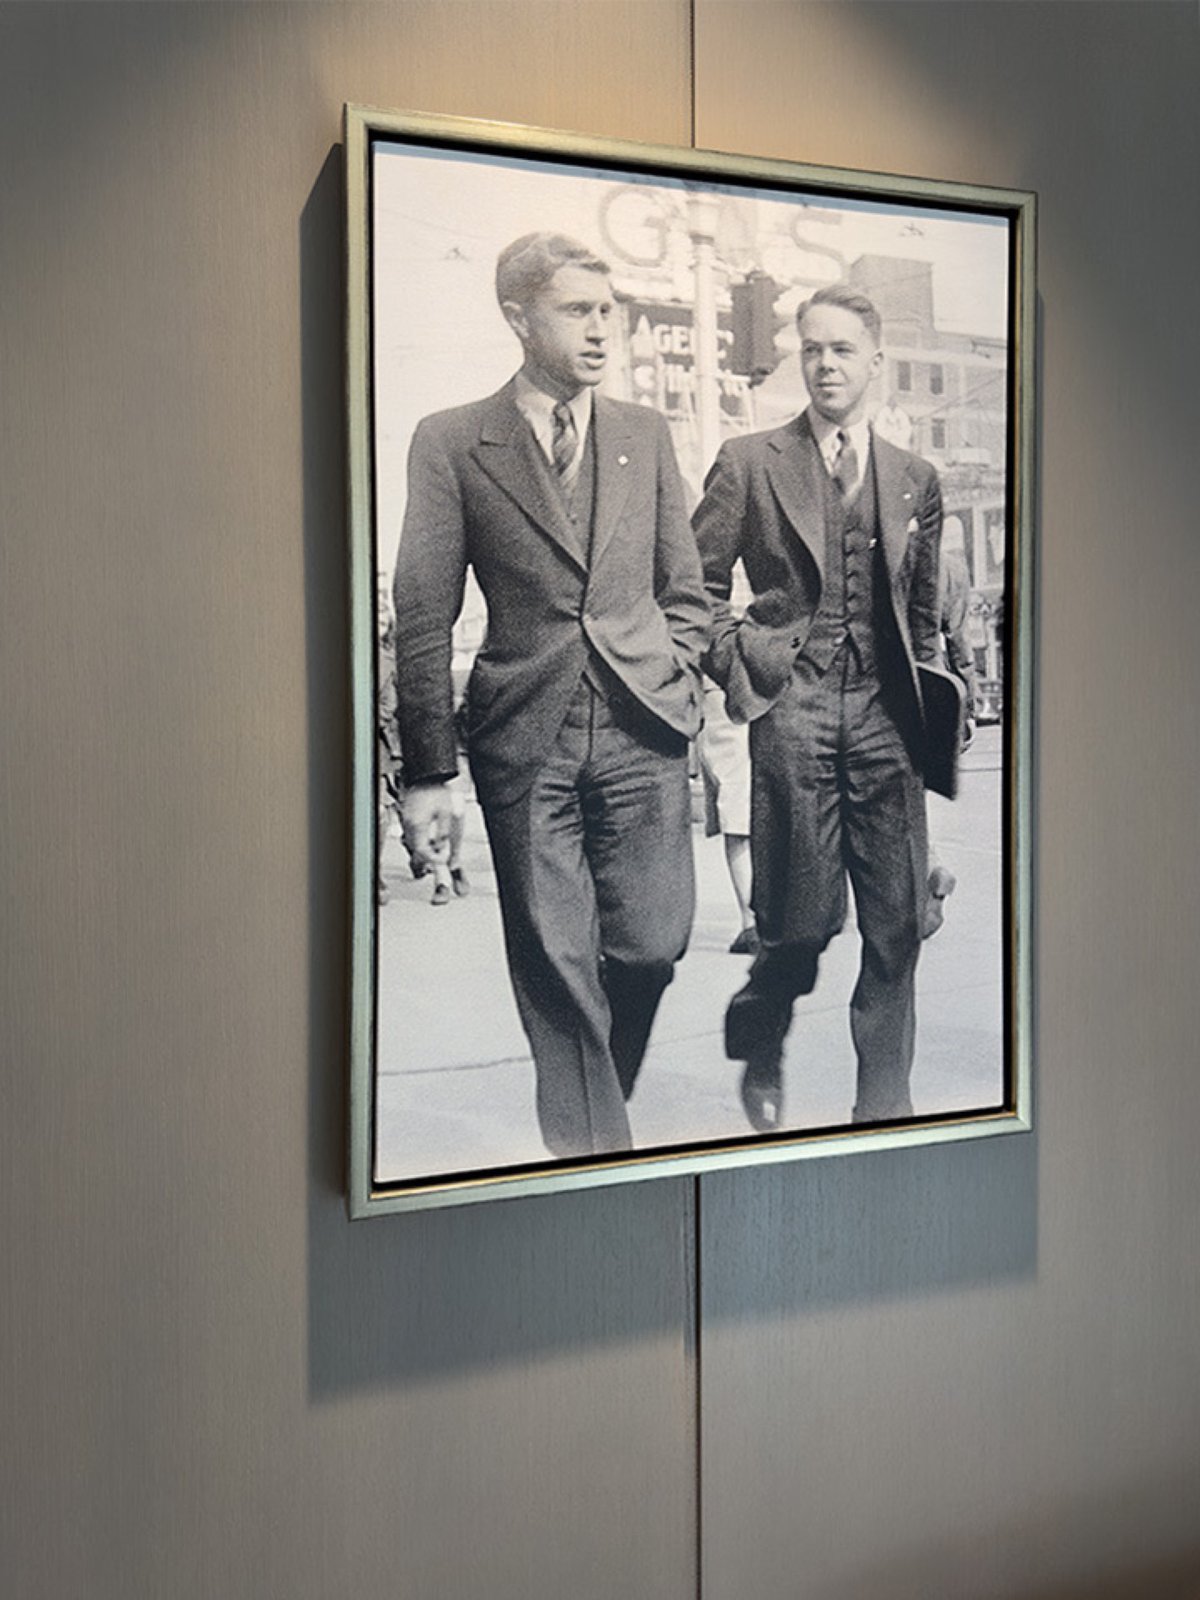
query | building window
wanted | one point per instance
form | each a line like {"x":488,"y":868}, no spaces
{"x":904,"y":375}
{"x":937,"y":382}
{"x":937,"y":436}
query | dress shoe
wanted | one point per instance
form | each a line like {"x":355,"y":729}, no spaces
{"x":754,"y":1025}
{"x":460,"y":882}
{"x":762,"y":1093}
{"x":747,"y":942}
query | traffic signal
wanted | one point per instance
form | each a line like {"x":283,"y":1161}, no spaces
{"x":755,"y":324}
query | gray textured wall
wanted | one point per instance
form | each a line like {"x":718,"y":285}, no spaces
{"x":948,"y":1373}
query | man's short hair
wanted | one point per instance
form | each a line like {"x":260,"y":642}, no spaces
{"x":526,"y":266}
{"x":850,"y":299}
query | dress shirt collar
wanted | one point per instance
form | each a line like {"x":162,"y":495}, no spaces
{"x":826,"y":435}
{"x":537,"y":407}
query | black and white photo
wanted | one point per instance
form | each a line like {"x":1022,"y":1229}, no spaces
{"x":689,"y":558}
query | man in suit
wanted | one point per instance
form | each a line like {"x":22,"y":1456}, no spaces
{"x":569,"y":507}
{"x":838,"y":532}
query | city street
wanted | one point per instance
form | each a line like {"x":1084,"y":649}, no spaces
{"x":455,"y":1080}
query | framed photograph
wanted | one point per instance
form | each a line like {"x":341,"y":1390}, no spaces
{"x":691,"y":541}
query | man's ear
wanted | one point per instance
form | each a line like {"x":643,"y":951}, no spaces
{"x":877,"y":362}
{"x":514,"y":315}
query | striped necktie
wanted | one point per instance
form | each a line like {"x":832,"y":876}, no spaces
{"x":565,"y":438}
{"x":845,"y":466}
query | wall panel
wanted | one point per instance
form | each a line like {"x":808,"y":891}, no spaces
{"x":210,"y":1384}
{"x":972,"y":1372}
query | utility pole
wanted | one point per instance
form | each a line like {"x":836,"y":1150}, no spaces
{"x":703,"y":213}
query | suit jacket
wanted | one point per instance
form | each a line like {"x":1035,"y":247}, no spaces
{"x":479,"y":495}
{"x":764,"y":501}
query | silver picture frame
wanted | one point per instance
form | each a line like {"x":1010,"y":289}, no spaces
{"x":429,"y":200}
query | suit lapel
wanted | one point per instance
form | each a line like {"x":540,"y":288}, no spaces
{"x":894,"y":501}
{"x":615,"y":447}
{"x":793,"y":465}
{"x":508,"y":452}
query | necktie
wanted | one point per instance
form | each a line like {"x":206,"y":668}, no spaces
{"x":564,"y":439}
{"x":845,"y":466}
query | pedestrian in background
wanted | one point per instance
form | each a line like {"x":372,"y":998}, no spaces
{"x":724,"y":750}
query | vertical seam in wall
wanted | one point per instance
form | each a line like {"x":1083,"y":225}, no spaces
{"x":697,"y":1388}
{"x":692,"y":68}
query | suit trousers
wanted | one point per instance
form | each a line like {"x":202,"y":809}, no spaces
{"x":597,"y":892}
{"x":836,"y":795}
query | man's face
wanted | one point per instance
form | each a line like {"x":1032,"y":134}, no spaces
{"x":839,"y":358}
{"x":564,"y":330}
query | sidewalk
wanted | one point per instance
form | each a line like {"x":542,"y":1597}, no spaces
{"x":455,"y":1080}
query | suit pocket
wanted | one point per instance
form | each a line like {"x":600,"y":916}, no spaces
{"x":767,"y":655}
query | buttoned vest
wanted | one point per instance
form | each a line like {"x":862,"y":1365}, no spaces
{"x":855,"y":607}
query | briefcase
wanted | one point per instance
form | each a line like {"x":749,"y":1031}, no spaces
{"x":943,"y":699}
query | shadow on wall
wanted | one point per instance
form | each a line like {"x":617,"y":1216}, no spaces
{"x":883,"y":1225}
{"x":1174,"y":1580}
{"x":1032,"y":1549}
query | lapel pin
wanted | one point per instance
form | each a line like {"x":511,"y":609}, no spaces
{"x":622,"y":461}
